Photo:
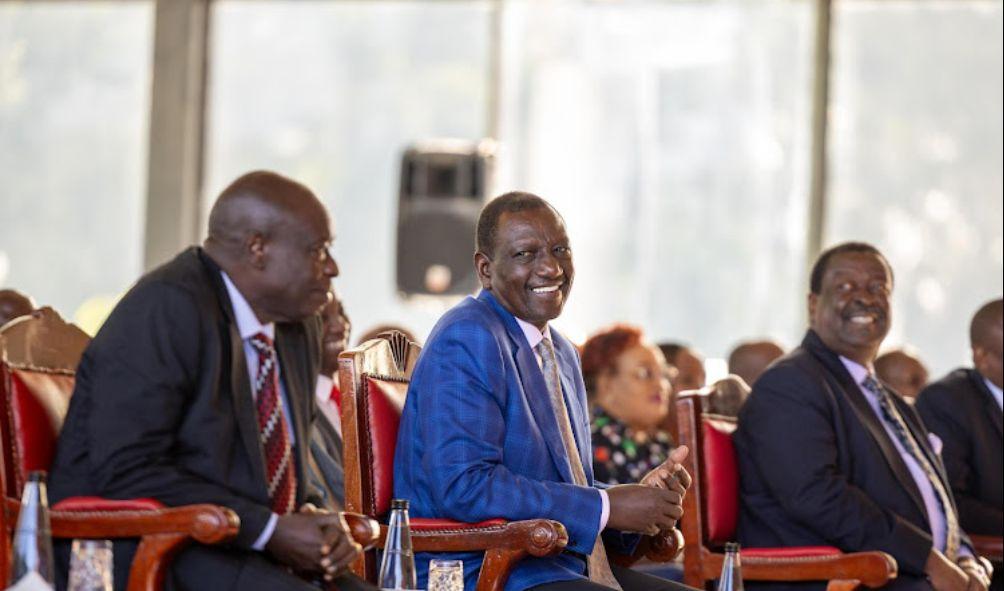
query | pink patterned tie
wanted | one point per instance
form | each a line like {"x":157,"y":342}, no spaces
{"x":272,"y":429}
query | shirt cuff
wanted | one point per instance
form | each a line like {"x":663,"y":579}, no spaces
{"x":266,"y":534}
{"x":605,"y":512}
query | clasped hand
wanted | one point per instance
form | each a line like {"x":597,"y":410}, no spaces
{"x":656,"y":503}
{"x":313,"y":541}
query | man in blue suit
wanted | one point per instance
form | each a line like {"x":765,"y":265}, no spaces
{"x":495,"y":423}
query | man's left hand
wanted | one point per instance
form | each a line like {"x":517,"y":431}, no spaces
{"x":979,"y":578}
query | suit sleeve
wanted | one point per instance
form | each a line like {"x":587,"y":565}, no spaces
{"x":947,"y":419}
{"x":142,"y":379}
{"x":790,"y":432}
{"x":462,"y":391}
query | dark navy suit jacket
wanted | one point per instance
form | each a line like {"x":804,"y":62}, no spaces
{"x":479,"y":439}
{"x":817,"y":467}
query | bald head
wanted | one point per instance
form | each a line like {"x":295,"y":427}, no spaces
{"x":258,"y":203}
{"x":748,"y":360}
{"x":985,"y":334}
{"x":14,"y":304}
{"x":903,"y":371}
{"x":271,"y":236}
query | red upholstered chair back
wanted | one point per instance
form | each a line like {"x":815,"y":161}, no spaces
{"x":38,"y":358}
{"x":373,"y":378}
{"x":718,"y":464}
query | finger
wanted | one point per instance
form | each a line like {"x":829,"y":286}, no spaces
{"x":684,"y":477}
{"x":308,"y":508}
{"x":678,"y":454}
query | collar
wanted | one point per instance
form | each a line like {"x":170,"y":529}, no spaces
{"x":998,"y":394}
{"x":858,"y":372}
{"x":534,"y":335}
{"x":247,"y":322}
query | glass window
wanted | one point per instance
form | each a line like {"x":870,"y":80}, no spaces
{"x":674,"y":138}
{"x":331,"y":94}
{"x":916,"y":152}
{"x":74,"y":104}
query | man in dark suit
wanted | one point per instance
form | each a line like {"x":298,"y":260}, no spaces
{"x":495,"y":421}
{"x":828,"y":456}
{"x":964,"y":410}
{"x":198,"y":389}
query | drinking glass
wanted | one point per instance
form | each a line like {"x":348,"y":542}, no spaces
{"x":91,"y":566}
{"x":446,"y":575}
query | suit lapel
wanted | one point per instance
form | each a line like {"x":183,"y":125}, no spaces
{"x":534,"y":388}
{"x":840,"y":380}
{"x":989,"y":402}
{"x":240,"y":384}
{"x":575,"y":402}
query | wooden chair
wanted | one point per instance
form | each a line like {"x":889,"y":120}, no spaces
{"x":374,"y":380}
{"x":989,"y":547}
{"x":711,"y":511}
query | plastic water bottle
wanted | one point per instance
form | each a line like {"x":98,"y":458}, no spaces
{"x":397,"y":570}
{"x":731,"y":578}
{"x":32,"y":551}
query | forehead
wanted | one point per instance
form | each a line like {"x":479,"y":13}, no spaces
{"x":856,"y":263}
{"x":539,"y":223}
{"x":310,"y":223}
{"x":642,"y":353}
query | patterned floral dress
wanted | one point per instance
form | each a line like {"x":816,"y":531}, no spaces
{"x":622,"y":455}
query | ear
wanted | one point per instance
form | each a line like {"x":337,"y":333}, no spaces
{"x":813,"y":301}
{"x":254,"y":246}
{"x":483,"y":266}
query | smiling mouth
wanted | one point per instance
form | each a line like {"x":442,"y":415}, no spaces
{"x":546,"y":289}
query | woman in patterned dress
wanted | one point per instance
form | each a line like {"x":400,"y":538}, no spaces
{"x":627,"y":379}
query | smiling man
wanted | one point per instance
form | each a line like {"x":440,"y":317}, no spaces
{"x":830,"y":456}
{"x":495,"y":421}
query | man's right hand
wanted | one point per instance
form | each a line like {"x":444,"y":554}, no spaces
{"x":643,"y":509}
{"x":313,"y":543}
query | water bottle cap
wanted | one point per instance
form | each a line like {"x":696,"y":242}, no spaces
{"x":37,"y":476}
{"x":732,"y":547}
{"x":399,"y":504}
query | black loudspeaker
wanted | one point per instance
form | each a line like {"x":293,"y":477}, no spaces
{"x":444,"y":184}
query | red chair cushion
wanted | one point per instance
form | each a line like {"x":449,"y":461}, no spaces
{"x":37,"y":403}
{"x":721,"y":480}
{"x":791,"y":552}
{"x":382,"y":404}
{"x":77,"y":504}
{"x":427,"y":523}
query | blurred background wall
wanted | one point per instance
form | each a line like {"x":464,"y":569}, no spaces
{"x":702,"y":151}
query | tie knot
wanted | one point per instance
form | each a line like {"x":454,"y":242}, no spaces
{"x":544,"y":347}
{"x":262,"y":343}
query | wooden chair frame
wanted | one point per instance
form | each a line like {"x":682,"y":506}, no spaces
{"x":702,"y":563}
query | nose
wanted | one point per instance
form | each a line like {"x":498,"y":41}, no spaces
{"x":330,"y":266}
{"x":548,"y":265}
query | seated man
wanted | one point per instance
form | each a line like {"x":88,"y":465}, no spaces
{"x":495,"y":421}
{"x":14,"y":304}
{"x":326,"y":438}
{"x":198,"y":388}
{"x":903,"y":372}
{"x":829,"y":456}
{"x":965,"y":409}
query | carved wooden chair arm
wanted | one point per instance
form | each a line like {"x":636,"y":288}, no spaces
{"x":364,"y":530}
{"x":844,"y":571}
{"x":989,"y":547}
{"x":163,"y":532}
{"x":661,"y":548}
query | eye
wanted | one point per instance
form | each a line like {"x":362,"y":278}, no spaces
{"x":845,"y":287}
{"x":562,"y":251}
{"x":523,"y":255}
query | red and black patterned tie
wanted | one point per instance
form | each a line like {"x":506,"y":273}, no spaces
{"x":272,"y":429}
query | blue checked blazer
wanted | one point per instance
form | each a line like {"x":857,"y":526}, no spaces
{"x":479,"y":439}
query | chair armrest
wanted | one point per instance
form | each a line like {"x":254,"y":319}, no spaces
{"x":989,"y":547}
{"x":815,"y":563}
{"x":163,"y":532}
{"x":664,"y":547}
{"x":538,"y":537}
{"x":364,"y":530}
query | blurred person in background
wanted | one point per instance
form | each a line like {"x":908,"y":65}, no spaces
{"x":627,"y":381}
{"x":966,"y":410}
{"x":728,"y":395}
{"x":749,"y":359}
{"x":14,"y":304}
{"x":903,"y":372}
{"x":689,"y":366}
